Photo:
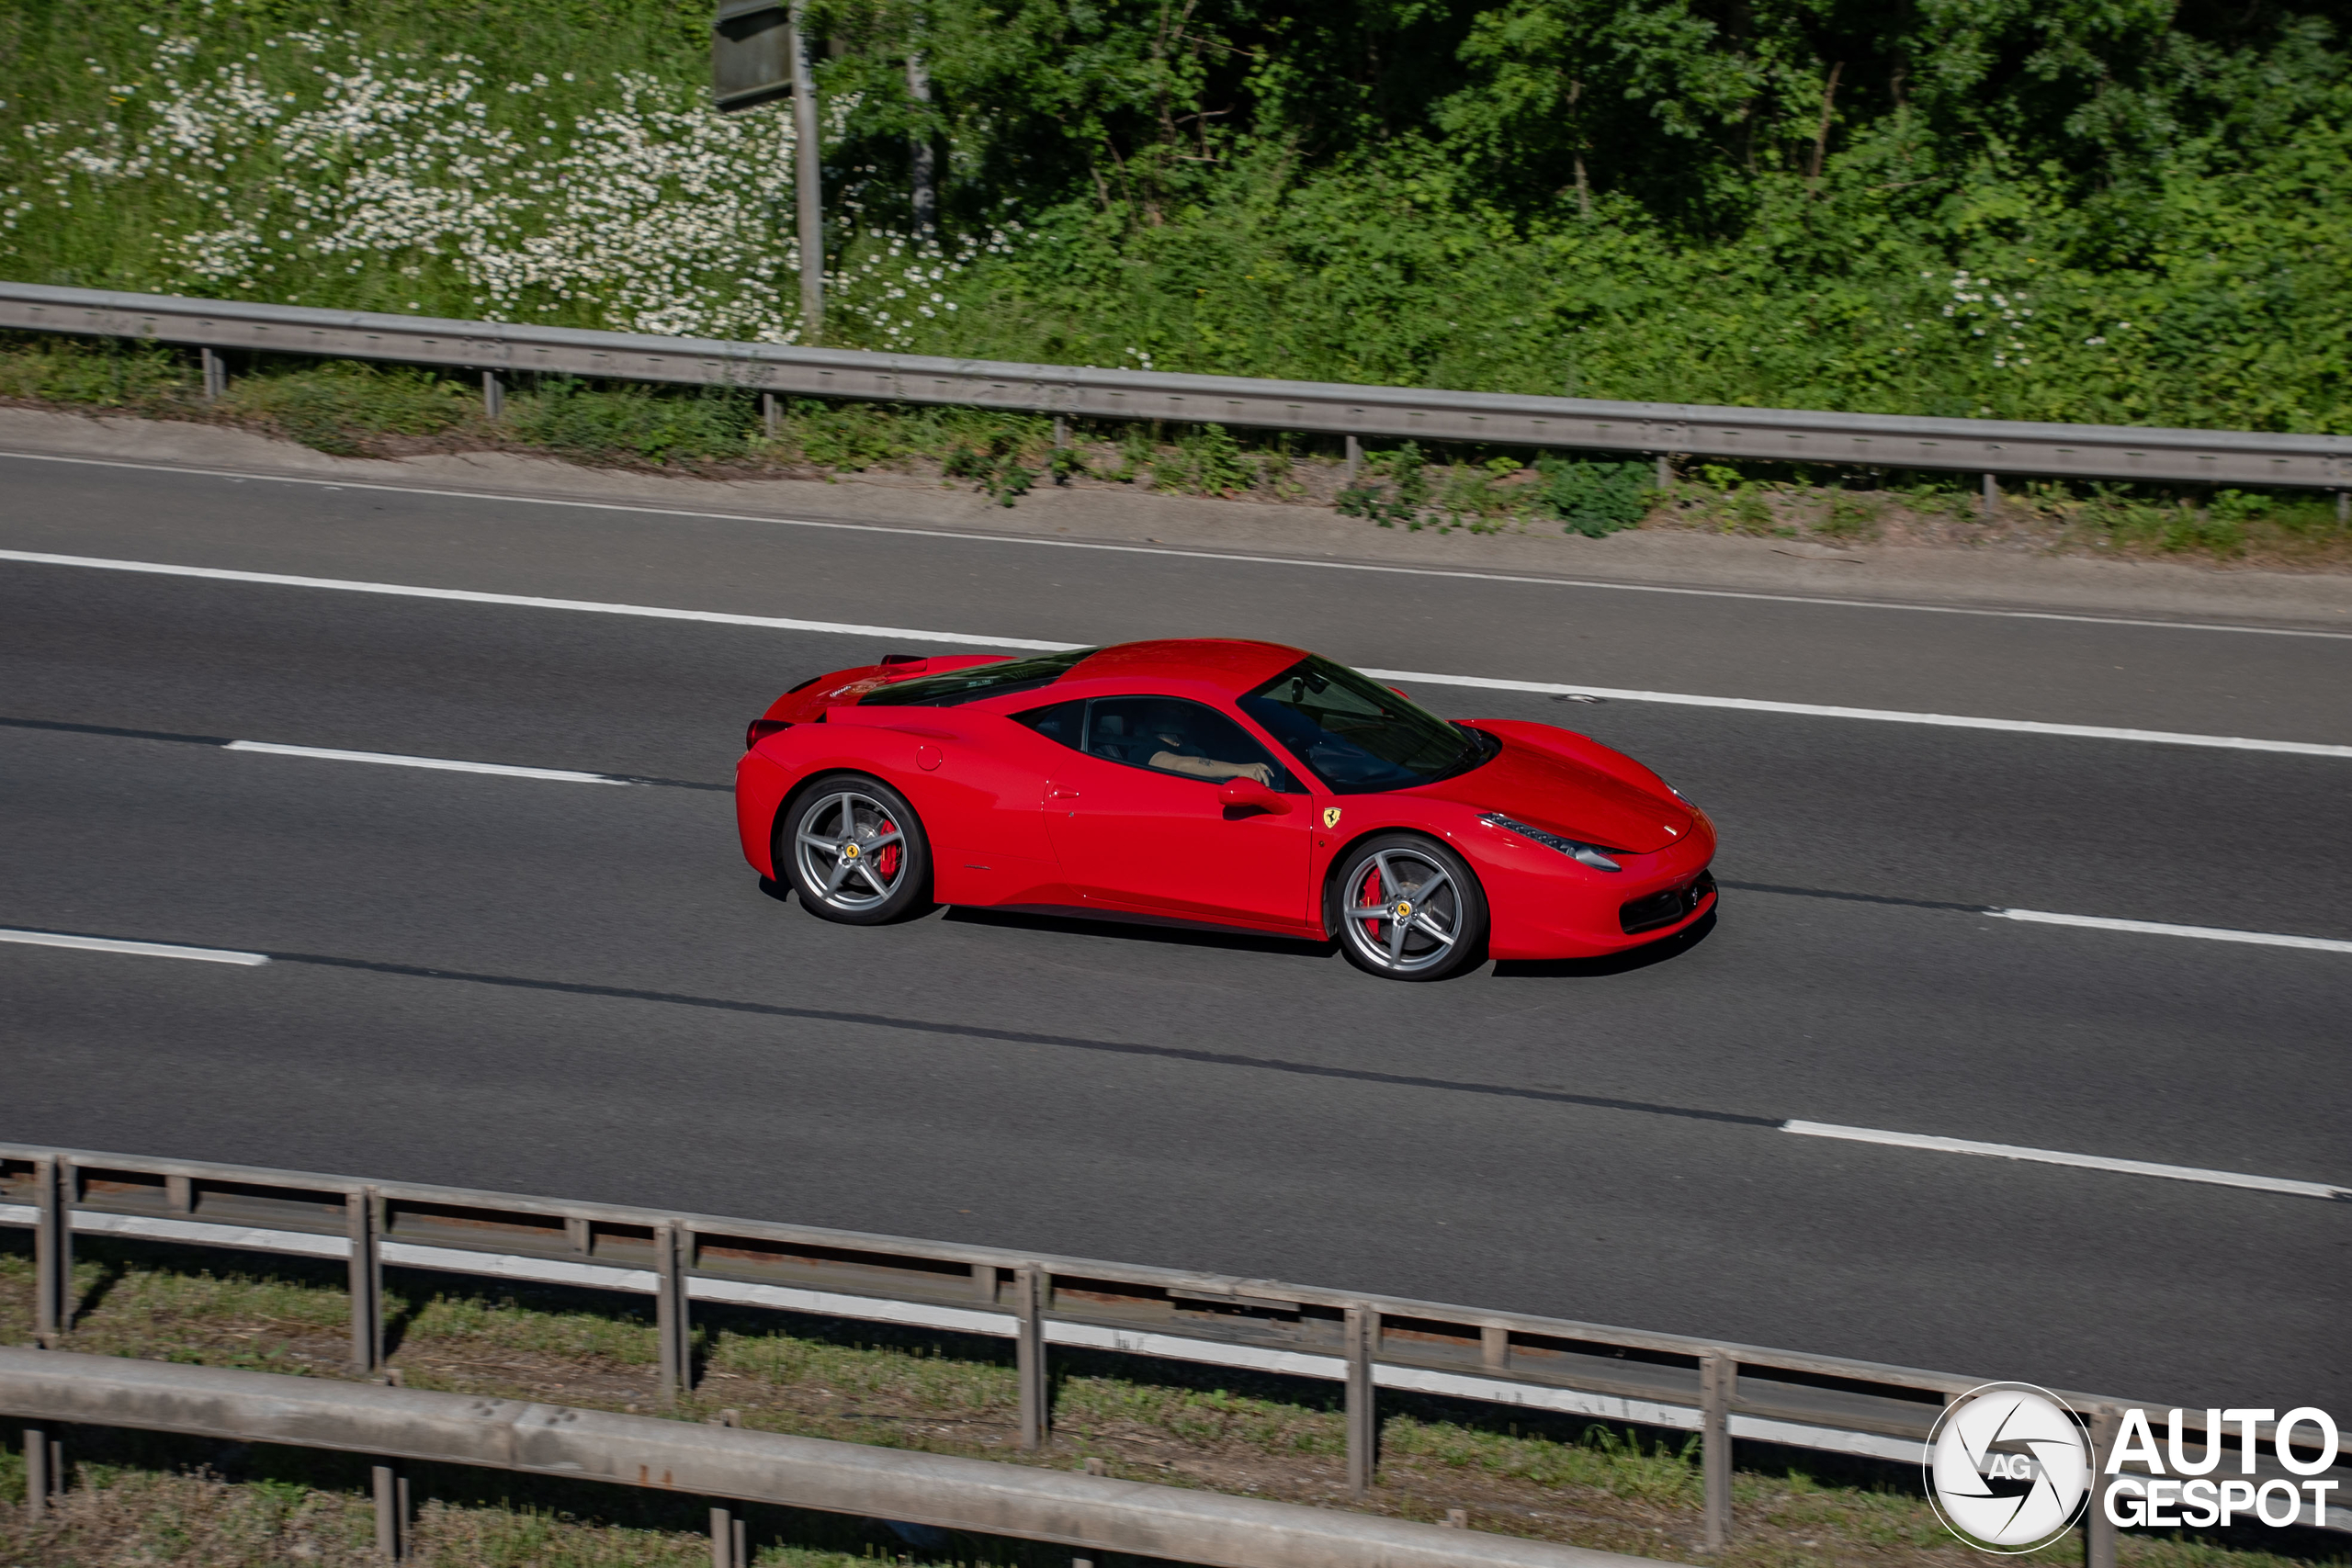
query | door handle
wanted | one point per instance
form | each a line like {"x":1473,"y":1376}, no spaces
{"x":1056,"y":791}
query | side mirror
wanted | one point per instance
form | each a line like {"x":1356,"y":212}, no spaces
{"x":1251,"y":795}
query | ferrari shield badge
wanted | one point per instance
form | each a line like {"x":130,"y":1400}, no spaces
{"x":1330,"y":817}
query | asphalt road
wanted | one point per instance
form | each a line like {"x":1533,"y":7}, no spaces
{"x":1546,"y":1156}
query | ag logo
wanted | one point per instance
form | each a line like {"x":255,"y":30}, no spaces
{"x":1330,"y":817}
{"x":2009,"y":1468}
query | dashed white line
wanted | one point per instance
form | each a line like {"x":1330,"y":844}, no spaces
{"x":392,"y":758}
{"x":1805,"y":1129}
{"x":134,"y":949}
{"x":966,"y":639}
{"x":981,"y":539}
{"x":2158,"y":928}
{"x":2060,"y":1156}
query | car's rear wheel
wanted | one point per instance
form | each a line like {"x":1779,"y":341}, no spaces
{"x":854,"y":851}
{"x":1407,"y":908}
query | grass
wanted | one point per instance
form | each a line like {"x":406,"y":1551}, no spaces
{"x":147,"y":1499}
{"x":351,"y":408}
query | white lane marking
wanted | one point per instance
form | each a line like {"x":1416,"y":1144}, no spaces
{"x":135,"y":949}
{"x":528,"y":602}
{"x":1883,"y":716}
{"x":2059,"y":1156}
{"x":2156,"y":928}
{"x":903,"y":634}
{"x":1189,"y":555}
{"x":561,"y":776}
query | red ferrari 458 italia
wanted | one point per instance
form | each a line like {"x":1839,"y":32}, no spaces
{"x":1211,"y":782}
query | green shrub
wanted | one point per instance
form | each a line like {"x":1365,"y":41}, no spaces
{"x":103,"y":372}
{"x":1402,"y":500}
{"x":634,"y":421}
{"x":997,"y":467}
{"x":1207,"y":461}
{"x":1594,"y":499}
{"x":332,"y":407}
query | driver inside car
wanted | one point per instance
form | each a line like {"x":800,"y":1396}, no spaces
{"x":1177,"y":755}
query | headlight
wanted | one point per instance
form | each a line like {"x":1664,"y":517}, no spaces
{"x":1593,"y":855}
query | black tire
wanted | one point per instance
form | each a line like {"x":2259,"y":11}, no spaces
{"x":1405,"y":863}
{"x":826,"y":850}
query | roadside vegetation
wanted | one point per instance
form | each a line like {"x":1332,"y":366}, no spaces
{"x":2122,"y":212}
{"x":170,"y":1502}
{"x":351,"y":410}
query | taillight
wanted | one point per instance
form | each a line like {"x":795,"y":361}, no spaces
{"x":761,"y":728}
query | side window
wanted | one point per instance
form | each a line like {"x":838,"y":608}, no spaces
{"x":1171,"y":735}
{"x":1065,"y":722}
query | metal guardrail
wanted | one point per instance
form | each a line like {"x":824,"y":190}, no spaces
{"x":1721,"y":1391}
{"x":1088,"y":1513}
{"x":1777,"y":435}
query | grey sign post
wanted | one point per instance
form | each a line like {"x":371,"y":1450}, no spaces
{"x":750,"y":53}
{"x":758,"y":55}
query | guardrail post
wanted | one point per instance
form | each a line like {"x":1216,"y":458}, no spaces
{"x":179,"y":1192}
{"x":35,"y":1474}
{"x":1360,"y":1329}
{"x":1718,"y":1375}
{"x":364,"y":1220}
{"x":2344,"y":506}
{"x":53,"y":1182}
{"x":672,"y":1252}
{"x":1062,"y":432}
{"x":1494,"y":1348}
{"x":391,"y":1513}
{"x":1355,"y":457}
{"x":728,"y":1548}
{"x":771,"y":416}
{"x":216,"y":377}
{"x":1665,"y":472}
{"x":493,"y":396}
{"x":1029,"y":1284}
{"x":2098,"y":1531}
{"x":1992,"y":501}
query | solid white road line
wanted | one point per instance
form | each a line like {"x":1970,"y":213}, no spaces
{"x":2156,"y":928}
{"x":561,"y":776}
{"x":963,"y":639}
{"x":2059,"y":1156}
{"x":1883,"y":716}
{"x":136,"y":949}
{"x":528,"y":602}
{"x":1178,"y":550}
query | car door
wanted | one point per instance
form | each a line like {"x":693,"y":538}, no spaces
{"x":1133,"y":807}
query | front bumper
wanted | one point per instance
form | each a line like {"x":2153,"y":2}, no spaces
{"x":1544,"y":904}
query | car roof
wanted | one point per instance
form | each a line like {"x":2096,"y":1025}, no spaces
{"x":1232,"y":664}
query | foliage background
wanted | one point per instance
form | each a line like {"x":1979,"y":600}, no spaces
{"x":2124,"y":210}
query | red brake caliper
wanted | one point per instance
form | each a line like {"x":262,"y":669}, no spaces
{"x":1367,"y":896}
{"x":886,"y":859}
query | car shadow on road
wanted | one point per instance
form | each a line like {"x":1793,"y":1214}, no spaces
{"x":1142,"y":928}
{"x":1626,"y":962}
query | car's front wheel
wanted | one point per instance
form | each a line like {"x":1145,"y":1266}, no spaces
{"x":1407,"y":908}
{"x":854,"y":851}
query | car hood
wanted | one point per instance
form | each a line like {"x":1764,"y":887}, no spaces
{"x":1547,"y":790}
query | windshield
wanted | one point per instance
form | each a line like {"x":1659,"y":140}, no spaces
{"x":979,"y":681}
{"x":1357,"y":735}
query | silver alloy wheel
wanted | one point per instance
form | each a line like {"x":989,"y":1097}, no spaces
{"x":1403,"y":911}
{"x":844,"y":844}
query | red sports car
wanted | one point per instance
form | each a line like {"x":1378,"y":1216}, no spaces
{"x":1210,"y":782}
